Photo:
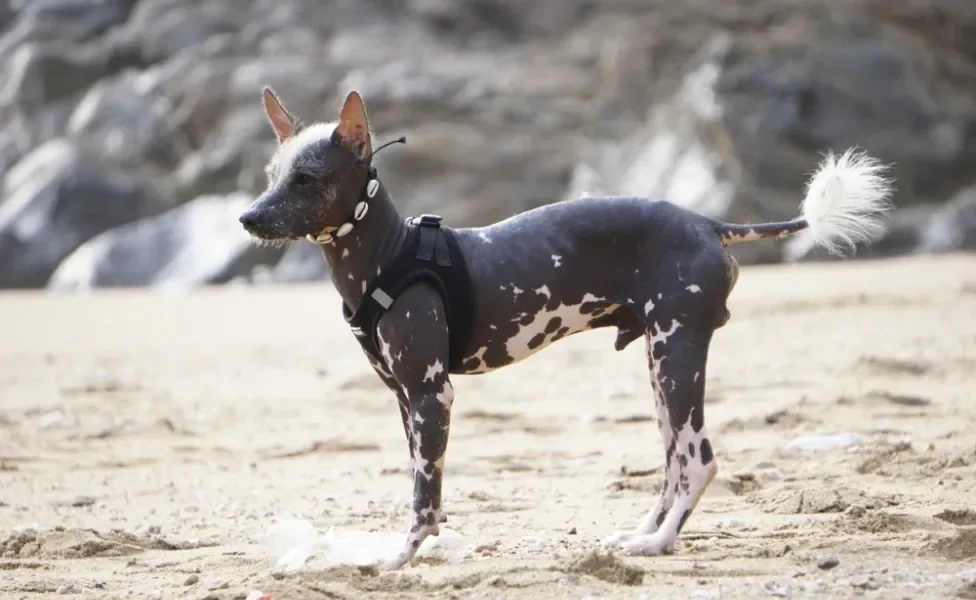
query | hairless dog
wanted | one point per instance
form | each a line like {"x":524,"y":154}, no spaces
{"x":428,"y":301}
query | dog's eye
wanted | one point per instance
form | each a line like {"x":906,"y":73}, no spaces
{"x":303,"y":179}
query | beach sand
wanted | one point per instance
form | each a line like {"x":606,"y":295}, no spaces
{"x":147,"y":441}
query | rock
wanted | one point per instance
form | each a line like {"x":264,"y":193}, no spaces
{"x":827,"y":563}
{"x":865,"y":582}
{"x":508,"y":105}
{"x":124,"y":119}
{"x":953,"y":227}
{"x":55,"y":200}
{"x":44,"y":73}
{"x":930,"y":228}
{"x":168,"y":27}
{"x":198,"y":243}
{"x":86,"y":17}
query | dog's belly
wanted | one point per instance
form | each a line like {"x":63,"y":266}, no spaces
{"x":524,"y":334}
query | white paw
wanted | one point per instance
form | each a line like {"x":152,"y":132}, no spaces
{"x":392,"y":564}
{"x":618,"y":538}
{"x":653,"y":544}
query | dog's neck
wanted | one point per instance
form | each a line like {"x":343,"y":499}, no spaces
{"x":355,"y":258}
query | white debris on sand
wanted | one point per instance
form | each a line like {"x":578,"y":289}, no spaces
{"x":823,"y":442}
{"x":291,"y":541}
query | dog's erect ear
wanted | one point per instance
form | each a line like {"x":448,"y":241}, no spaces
{"x":353,"y":128}
{"x":281,"y":120}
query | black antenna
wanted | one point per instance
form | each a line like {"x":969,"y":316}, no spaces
{"x":400,"y":140}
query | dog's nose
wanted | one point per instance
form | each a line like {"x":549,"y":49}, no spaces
{"x":248,"y":219}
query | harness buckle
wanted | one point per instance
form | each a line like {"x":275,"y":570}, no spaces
{"x":428,"y":220}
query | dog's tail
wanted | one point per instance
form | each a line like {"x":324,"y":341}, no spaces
{"x":845,"y":202}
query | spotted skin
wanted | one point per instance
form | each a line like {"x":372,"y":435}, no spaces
{"x":647,"y":268}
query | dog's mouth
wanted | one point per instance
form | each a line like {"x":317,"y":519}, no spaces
{"x":266,"y":240}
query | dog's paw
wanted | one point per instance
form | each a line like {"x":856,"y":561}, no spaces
{"x":617,"y":538}
{"x":653,"y":544}
{"x":393,"y":564}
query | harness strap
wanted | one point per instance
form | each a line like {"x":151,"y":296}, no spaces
{"x":427,"y":252}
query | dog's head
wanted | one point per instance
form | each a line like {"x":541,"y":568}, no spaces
{"x":315,"y":177}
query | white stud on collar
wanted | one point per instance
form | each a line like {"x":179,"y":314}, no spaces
{"x":360,"y":211}
{"x":372,"y":187}
{"x":344,"y":229}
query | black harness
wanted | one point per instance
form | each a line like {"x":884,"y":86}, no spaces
{"x":424,"y":251}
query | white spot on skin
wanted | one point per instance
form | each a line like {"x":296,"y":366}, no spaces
{"x":571,"y":319}
{"x":434,"y":370}
{"x":480,"y":355}
{"x":345,"y":252}
{"x":661,"y":336}
{"x":697,"y":374}
{"x":693,"y":288}
{"x":484,"y":237}
{"x":516,"y":290}
{"x":385,"y":351}
{"x":648,"y":307}
{"x":446,"y":397}
{"x":364,"y":286}
{"x":556,"y":260}
{"x":351,"y":278}
{"x":544,"y":291}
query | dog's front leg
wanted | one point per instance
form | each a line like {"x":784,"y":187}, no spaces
{"x":402,"y":401}
{"x":414,"y":342}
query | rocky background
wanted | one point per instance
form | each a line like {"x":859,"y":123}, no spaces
{"x":131,"y":131}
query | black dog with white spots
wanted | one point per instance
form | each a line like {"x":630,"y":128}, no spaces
{"x":487,"y":297}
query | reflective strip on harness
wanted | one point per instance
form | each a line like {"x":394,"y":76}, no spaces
{"x":382,"y":298}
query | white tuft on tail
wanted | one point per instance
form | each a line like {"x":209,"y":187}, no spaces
{"x":845,"y":201}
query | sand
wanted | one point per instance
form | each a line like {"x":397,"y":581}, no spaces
{"x":147,"y":442}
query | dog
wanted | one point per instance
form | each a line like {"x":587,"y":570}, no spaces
{"x":472,"y":300}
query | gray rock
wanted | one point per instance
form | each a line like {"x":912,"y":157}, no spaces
{"x":953,"y":227}
{"x":125,"y":120}
{"x":44,"y":73}
{"x":197,"y":243}
{"x":86,"y":17}
{"x":509,"y":105}
{"x":930,"y":228}
{"x":166,"y":28}
{"x":55,"y":200}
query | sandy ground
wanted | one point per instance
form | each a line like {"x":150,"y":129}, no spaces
{"x":147,"y":442}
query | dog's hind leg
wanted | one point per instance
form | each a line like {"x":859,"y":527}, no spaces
{"x":680,"y":324}
{"x":653,"y":519}
{"x":679,"y":369}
